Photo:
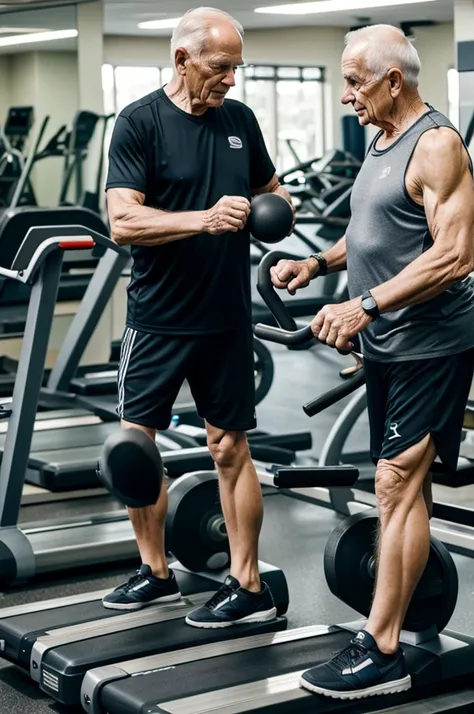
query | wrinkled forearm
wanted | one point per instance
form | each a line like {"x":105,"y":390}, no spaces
{"x":425,"y":278}
{"x":336,"y":256}
{"x":142,"y":225}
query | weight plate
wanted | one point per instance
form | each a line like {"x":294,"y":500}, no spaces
{"x":195,"y":530}
{"x":349,"y":560}
{"x":263,"y":370}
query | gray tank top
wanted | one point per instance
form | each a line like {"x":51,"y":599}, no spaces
{"x":387,"y":231}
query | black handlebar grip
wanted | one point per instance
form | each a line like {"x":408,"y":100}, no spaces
{"x":283,"y":337}
{"x":268,"y":292}
{"x":335,"y":395}
{"x":316,"y":477}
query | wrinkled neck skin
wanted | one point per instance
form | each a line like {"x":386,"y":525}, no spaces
{"x":180,"y":95}
{"x":404,"y":112}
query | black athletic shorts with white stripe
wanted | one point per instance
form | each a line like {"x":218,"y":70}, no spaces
{"x":219,"y":369}
{"x":410,"y":399}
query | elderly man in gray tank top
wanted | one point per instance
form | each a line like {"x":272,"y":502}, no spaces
{"x":408,"y":251}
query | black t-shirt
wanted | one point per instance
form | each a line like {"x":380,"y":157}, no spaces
{"x":183,"y":162}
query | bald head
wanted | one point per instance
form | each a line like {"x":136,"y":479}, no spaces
{"x":205,"y":26}
{"x":383,"y":47}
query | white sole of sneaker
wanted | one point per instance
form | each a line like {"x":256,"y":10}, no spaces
{"x":141,"y":605}
{"x":394,"y":687}
{"x":262,"y":616}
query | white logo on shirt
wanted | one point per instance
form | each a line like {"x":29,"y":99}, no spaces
{"x":385,"y":172}
{"x":235,"y":142}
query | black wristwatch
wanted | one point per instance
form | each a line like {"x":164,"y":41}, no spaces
{"x":369,"y":305}
{"x":323,"y":263}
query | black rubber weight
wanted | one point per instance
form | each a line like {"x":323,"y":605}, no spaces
{"x":349,"y":567}
{"x":264,"y":370}
{"x":131,"y":468}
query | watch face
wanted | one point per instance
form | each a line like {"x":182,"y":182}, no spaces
{"x":369,"y":303}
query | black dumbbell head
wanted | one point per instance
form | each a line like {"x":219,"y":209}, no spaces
{"x":130,"y":468}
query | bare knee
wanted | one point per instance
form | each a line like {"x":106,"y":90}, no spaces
{"x":229,"y":449}
{"x":399,"y":481}
{"x":390,"y":485}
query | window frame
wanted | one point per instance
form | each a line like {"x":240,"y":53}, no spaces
{"x":267,"y":72}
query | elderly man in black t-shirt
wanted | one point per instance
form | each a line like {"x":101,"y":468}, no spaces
{"x":183,"y":167}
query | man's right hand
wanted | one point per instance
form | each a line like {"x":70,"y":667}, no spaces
{"x":293,"y":274}
{"x":230,"y":213}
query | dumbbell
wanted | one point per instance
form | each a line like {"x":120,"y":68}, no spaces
{"x":130,"y":468}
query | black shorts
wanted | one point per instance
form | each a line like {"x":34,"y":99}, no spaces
{"x":219,"y":369}
{"x":410,"y":399}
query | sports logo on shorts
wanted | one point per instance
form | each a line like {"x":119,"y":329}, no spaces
{"x":394,"y":428}
{"x":235,"y":142}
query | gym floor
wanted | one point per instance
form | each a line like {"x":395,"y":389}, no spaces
{"x":293,"y":537}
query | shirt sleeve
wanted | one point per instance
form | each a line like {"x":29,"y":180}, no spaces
{"x":262,"y":168}
{"x":127,"y":159}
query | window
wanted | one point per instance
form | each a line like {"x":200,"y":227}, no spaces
{"x":108,"y":87}
{"x":131,"y":83}
{"x":123,"y":85}
{"x":453,"y":96}
{"x":288,"y":102}
{"x":300,"y":127}
{"x":261,"y":98}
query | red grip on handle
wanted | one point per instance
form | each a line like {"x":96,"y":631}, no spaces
{"x":77,"y":244}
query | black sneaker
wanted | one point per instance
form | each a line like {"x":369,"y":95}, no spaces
{"x":232,"y":605}
{"x":141,"y":590}
{"x":360,"y":670}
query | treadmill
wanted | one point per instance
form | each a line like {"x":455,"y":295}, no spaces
{"x":37,"y":263}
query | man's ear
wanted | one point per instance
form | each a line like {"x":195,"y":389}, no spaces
{"x":181,"y":57}
{"x":395,"y":77}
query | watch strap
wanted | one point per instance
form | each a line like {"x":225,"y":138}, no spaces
{"x":323,"y":263}
{"x":373,"y":312}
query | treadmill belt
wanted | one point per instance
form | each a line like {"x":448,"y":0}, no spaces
{"x":137,"y":694}
{"x":19,"y":632}
{"x":63,"y":667}
{"x":72,"y":438}
{"x":70,"y":465}
{"x":193,"y":675}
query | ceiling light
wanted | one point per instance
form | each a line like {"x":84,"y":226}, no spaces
{"x":167,"y":23}
{"x":310,"y":8}
{"x":38,"y":37}
{"x":20,"y":30}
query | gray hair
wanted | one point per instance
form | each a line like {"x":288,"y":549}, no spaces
{"x":381,"y":53}
{"x":193,"y":29}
